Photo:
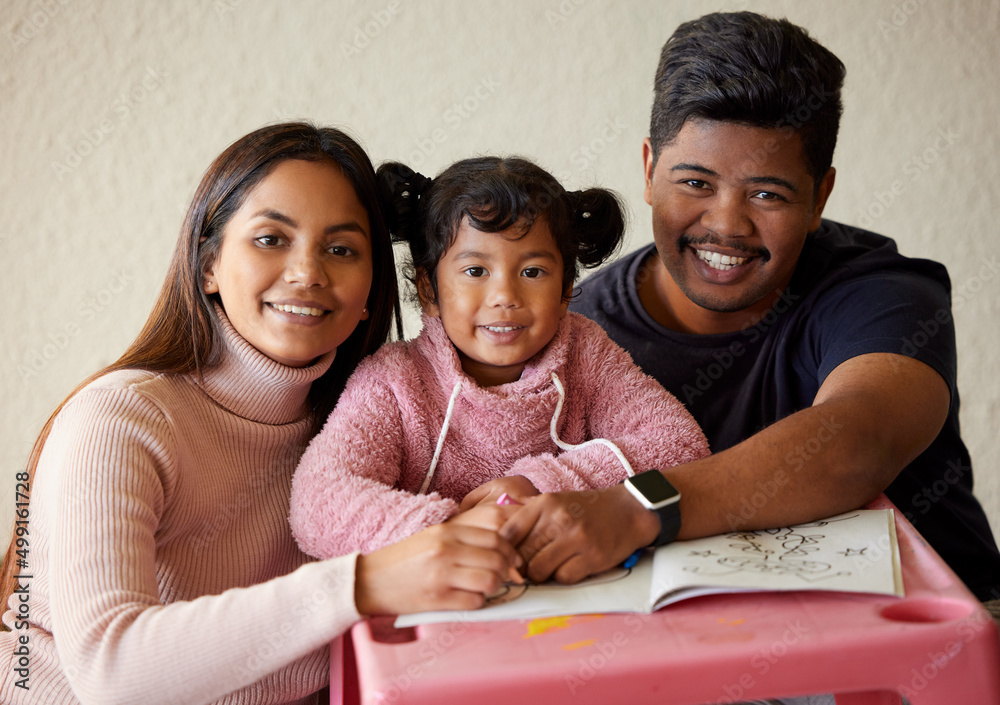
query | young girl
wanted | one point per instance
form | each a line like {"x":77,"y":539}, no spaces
{"x":502,"y":386}
{"x":161,"y":568}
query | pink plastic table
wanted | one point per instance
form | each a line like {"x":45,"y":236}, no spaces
{"x":935,"y":646}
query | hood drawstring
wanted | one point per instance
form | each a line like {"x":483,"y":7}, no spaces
{"x":569,"y":446}
{"x":440,"y":443}
{"x":552,"y":433}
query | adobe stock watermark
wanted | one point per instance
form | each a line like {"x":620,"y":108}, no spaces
{"x":765,"y":490}
{"x":122,"y":109}
{"x":37,"y":359}
{"x":226,"y":7}
{"x":453,"y":117}
{"x":559,"y":14}
{"x":914,"y":168}
{"x":364,"y":33}
{"x":429,"y":651}
{"x":586,"y":154}
{"x":937,"y":661}
{"x":926,"y":330}
{"x":899,"y":17}
{"x":725,"y":359}
{"x":603,"y":652}
{"x":31,"y":25}
{"x":295,"y":614}
{"x":763,"y":661}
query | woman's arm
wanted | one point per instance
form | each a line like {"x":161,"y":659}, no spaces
{"x":103,"y":483}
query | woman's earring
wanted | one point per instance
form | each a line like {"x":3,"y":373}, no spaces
{"x":364,"y":313}
{"x":210,"y":287}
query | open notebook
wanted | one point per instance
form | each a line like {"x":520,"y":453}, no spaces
{"x":855,"y":552}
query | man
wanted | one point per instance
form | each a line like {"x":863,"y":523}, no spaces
{"x":820,"y":362}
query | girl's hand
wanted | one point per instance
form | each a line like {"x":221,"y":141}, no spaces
{"x":450,"y":566}
{"x":516,"y":486}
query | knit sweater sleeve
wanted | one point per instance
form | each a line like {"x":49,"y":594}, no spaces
{"x":345,"y":494}
{"x":614,"y":400}
{"x":106,"y":476}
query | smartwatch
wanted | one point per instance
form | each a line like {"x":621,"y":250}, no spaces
{"x":655,"y":493}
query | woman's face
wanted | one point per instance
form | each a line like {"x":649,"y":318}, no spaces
{"x":295,"y":266}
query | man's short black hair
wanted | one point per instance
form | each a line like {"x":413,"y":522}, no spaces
{"x":746,"y":68}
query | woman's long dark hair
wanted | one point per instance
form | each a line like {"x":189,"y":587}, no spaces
{"x":180,"y":336}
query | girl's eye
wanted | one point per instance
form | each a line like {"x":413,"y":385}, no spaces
{"x":533,"y":272}
{"x":475,"y":271}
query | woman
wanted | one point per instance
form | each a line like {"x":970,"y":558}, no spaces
{"x":161,"y":566}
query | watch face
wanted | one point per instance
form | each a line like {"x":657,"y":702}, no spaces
{"x":654,"y":487}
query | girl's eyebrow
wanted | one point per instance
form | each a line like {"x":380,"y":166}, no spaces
{"x":278,"y":216}
{"x":535,"y":254}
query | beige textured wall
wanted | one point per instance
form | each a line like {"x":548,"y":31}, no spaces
{"x":110,"y":111}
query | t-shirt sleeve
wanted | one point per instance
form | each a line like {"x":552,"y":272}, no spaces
{"x":897,"y":312}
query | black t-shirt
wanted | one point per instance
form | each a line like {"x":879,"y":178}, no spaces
{"x":852,"y":294}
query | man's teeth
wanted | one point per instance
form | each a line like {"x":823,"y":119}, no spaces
{"x":301,"y":310}
{"x":717,"y":261}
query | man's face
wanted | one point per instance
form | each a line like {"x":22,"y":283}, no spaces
{"x":732,"y":205}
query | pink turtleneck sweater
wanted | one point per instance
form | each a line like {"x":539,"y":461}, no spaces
{"x":163,"y":569}
{"x":357,"y":487}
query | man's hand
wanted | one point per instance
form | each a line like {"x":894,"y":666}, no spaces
{"x":517,"y":486}
{"x":571,"y":535}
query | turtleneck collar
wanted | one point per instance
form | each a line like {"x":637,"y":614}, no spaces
{"x":255,"y":387}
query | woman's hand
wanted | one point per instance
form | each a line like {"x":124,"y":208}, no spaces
{"x":450,"y":566}
{"x":516,"y":486}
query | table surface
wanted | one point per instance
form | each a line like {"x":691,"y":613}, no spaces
{"x":932,"y":645}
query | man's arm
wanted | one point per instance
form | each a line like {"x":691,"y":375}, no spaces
{"x":872,"y":416}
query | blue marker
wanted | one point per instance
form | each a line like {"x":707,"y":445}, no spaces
{"x":632,"y":560}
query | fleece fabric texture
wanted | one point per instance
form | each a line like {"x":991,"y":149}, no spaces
{"x":161,"y":566}
{"x":356,"y":487}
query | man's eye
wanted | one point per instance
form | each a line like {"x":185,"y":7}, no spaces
{"x":768,"y":196}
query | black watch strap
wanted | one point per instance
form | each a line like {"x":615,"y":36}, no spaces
{"x":658,"y":495}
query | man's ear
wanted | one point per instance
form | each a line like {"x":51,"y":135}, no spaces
{"x":648,"y":163}
{"x":822,"y":195}
{"x":425,"y":293}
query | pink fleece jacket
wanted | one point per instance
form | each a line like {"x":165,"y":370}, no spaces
{"x":356,"y":487}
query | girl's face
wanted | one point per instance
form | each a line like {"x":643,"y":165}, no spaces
{"x":500,"y":298}
{"x":295,"y":265}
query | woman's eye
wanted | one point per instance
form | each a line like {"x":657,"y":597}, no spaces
{"x":340,"y":250}
{"x":269,"y":240}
